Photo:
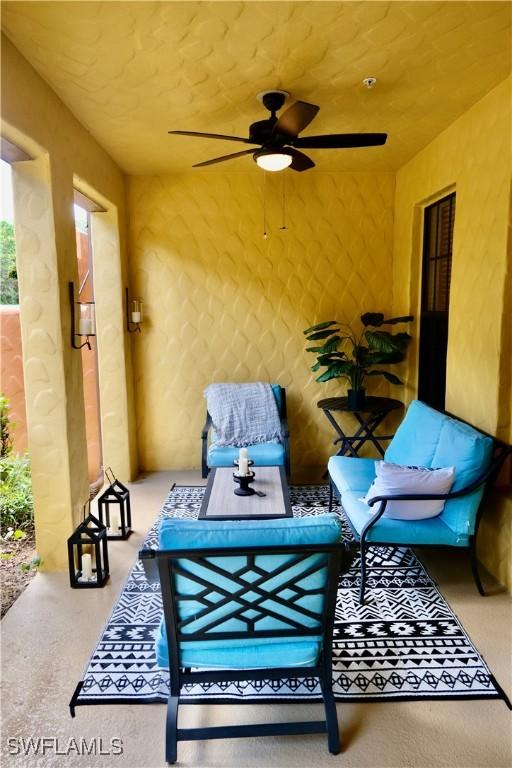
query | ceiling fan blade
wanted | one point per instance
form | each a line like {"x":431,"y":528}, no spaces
{"x":212,"y":136}
{"x":296,"y":118}
{"x":300,"y":162}
{"x":224,"y":157}
{"x":341,"y":141}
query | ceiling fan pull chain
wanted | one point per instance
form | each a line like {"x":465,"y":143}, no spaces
{"x":284,"y":227}
{"x":265,"y":233}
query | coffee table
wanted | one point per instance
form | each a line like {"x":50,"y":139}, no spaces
{"x":220,"y":503}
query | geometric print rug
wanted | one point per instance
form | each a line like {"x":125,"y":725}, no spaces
{"x":405,"y":644}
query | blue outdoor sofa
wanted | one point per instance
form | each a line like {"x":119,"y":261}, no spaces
{"x":425,"y":438}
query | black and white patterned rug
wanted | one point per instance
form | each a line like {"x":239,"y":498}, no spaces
{"x":405,"y":644}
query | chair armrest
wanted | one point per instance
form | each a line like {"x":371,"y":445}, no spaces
{"x":150,"y":565}
{"x":206,"y":426}
{"x":491,"y":472}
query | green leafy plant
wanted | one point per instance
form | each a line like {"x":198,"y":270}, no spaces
{"x":5,"y":434}
{"x":347,"y":355}
{"x":16,"y":503}
{"x":34,"y":564}
{"x":8,"y":274}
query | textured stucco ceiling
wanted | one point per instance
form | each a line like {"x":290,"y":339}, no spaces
{"x":130,"y":71}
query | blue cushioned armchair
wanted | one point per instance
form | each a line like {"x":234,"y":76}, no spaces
{"x":247,"y":600}
{"x":263,"y":454}
{"x":425,"y":438}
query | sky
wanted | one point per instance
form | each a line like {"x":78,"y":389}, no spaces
{"x":6,"y":213}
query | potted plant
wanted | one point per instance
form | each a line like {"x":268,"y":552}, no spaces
{"x":347,"y":355}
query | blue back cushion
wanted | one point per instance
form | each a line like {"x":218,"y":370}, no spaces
{"x":198,"y":534}
{"x":415,"y":440}
{"x":470,"y":453}
{"x":278,"y":395}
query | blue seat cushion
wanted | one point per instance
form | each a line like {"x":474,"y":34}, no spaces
{"x":430,"y":531}
{"x":263,"y":454}
{"x":241,"y":654}
{"x":349,"y":473}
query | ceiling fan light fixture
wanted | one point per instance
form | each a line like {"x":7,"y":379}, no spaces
{"x":273,"y":160}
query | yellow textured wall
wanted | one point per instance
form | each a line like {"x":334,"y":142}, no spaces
{"x":473,"y":157}
{"x":36,"y":120}
{"x":224,"y":304}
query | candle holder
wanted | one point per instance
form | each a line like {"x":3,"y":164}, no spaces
{"x":250,"y":462}
{"x":86,"y":319}
{"x":244,"y":482}
{"x":133,"y":314}
{"x":117,"y":495}
{"x":88,"y":554}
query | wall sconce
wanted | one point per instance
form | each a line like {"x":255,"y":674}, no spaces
{"x":86,"y":319}
{"x":133,"y":314}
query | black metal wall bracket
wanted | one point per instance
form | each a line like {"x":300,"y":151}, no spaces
{"x":74,"y":334}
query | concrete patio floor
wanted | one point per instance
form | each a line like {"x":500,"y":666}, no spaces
{"x":51,"y":630}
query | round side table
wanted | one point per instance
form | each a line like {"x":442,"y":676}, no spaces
{"x":369,"y":417}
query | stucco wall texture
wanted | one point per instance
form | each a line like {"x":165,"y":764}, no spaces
{"x":472,"y":157}
{"x":225,"y":304}
{"x":11,"y":375}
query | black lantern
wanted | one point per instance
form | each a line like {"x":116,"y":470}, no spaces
{"x":118,"y":521}
{"x":87,"y":554}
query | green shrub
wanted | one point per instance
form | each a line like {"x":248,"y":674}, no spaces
{"x":5,"y":436}
{"x":16,"y":503}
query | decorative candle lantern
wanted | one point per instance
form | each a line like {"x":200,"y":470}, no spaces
{"x":118,"y":520}
{"x":85,"y":323}
{"x":88,"y":554}
{"x":134,"y":315}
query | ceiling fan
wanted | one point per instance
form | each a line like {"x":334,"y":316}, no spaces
{"x":278,"y":137}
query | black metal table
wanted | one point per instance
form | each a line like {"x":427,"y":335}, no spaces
{"x":369,"y":417}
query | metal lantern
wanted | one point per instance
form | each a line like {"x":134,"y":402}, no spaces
{"x":118,"y":520}
{"x":87,"y":554}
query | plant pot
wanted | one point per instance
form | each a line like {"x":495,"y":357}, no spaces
{"x":356,"y":399}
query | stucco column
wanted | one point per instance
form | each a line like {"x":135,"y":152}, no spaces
{"x":52,"y":369}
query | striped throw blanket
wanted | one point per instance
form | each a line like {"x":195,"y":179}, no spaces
{"x":243,"y":414}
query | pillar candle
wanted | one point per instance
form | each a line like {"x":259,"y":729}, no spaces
{"x":86,"y":566}
{"x":135,"y":317}
{"x":115,"y":523}
{"x":242,"y":454}
{"x":243,"y":467}
{"x":85,"y":326}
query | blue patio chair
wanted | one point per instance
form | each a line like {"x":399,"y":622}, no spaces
{"x":247,"y":600}
{"x":263,"y":454}
{"x":425,"y":438}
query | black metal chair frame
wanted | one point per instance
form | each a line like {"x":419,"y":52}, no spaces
{"x":501,"y":451}
{"x":285,"y":433}
{"x":165,"y":565}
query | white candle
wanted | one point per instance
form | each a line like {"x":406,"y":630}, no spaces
{"x":243,"y":453}
{"x":115,"y":523}
{"x":86,"y":566}
{"x":243,"y":467}
{"x":85,"y":326}
{"x":135,"y":317}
